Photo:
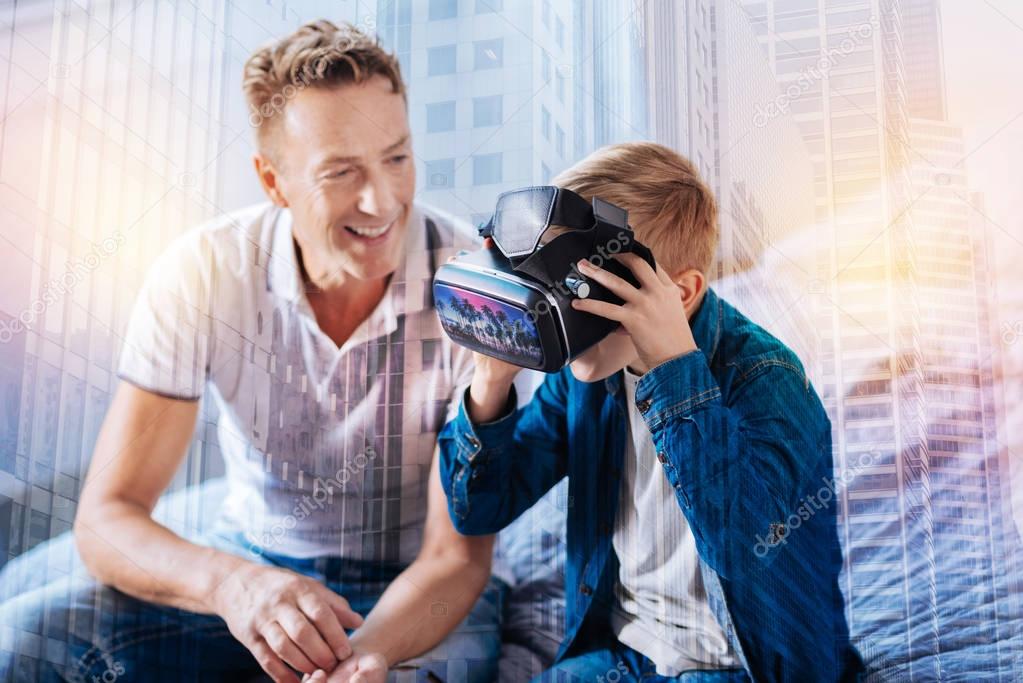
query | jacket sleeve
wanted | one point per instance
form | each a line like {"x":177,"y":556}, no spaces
{"x":495,"y":471}
{"x":738,"y":467}
{"x":754,"y":480}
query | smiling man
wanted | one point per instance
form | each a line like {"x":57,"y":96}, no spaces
{"x":308,"y":320}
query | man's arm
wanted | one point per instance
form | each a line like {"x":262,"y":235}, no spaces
{"x":431,"y":597}
{"x":142,"y":442}
{"x":280,"y":616}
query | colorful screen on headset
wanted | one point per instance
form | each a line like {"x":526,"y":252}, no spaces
{"x":489,"y":325}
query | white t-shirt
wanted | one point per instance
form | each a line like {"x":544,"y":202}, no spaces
{"x":327,"y":450}
{"x":661,"y":607}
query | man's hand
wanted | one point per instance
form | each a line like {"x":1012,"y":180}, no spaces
{"x":284,"y":617}
{"x":359,"y":668}
{"x":653,"y":315}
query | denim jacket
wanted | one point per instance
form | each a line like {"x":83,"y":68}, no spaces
{"x":746,"y":444}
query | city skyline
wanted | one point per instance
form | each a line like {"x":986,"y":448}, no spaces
{"x":850,"y":224}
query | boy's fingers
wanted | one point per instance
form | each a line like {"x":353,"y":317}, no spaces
{"x":640,"y":268}
{"x":611,"y":281}
{"x":601,"y":308}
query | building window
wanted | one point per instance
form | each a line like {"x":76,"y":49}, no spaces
{"x":545,"y":122}
{"x":443,"y":9}
{"x":545,"y":62}
{"x":489,"y":54}
{"x":488,"y":6}
{"x":547,"y":13}
{"x":440,"y":117}
{"x":440,"y":174}
{"x":486,"y":169}
{"x":560,"y":86}
{"x":440,"y":61}
{"x":560,"y":142}
{"x":559,"y":33}
{"x":545,"y":174}
{"x":487,"y":111}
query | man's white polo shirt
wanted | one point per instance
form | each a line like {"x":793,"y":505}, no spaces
{"x":327,"y":449}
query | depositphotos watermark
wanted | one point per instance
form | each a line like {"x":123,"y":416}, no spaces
{"x":816,"y":72}
{"x":615,"y":674}
{"x":321,"y":496}
{"x":778,"y":533}
{"x":57,"y":288}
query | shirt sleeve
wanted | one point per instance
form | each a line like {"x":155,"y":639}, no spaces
{"x":167,"y":343}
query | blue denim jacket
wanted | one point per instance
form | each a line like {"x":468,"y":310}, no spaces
{"x":744,"y":440}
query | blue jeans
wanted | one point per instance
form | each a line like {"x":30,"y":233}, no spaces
{"x":72,"y":628}
{"x":617,"y":663}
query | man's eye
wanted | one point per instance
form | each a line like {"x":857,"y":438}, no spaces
{"x":339,"y":174}
{"x":397,"y":159}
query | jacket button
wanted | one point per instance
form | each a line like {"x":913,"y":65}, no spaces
{"x":585,"y":590}
{"x":643,"y":405}
{"x":473,"y":441}
{"x":662,"y":457}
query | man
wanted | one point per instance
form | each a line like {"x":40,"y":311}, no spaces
{"x":687,"y":435}
{"x":309,"y":322}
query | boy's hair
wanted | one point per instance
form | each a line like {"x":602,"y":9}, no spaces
{"x":319,"y":54}
{"x":671,"y":209}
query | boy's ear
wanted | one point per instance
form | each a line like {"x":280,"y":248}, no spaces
{"x":692,"y":284}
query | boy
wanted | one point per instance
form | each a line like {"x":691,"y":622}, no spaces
{"x":689,"y":435}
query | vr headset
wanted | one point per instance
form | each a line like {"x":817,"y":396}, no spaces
{"x":513,"y":302}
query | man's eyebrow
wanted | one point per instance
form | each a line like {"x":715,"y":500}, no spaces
{"x":400,"y":143}
{"x":351,"y":160}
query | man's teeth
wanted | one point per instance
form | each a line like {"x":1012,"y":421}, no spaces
{"x":369,"y":232}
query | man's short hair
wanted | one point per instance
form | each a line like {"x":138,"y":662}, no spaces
{"x":670,"y":207}
{"x":319,"y":54}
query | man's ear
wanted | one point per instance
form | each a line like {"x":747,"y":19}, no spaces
{"x":269,"y":178}
{"x":692,"y":283}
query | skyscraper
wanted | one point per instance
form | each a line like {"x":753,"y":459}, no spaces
{"x":490,"y":95}
{"x":904,"y":322}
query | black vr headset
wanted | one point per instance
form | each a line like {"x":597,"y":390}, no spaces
{"x":513,"y":302}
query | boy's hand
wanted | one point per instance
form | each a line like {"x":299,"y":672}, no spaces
{"x":359,"y":668}
{"x":653,"y":315}
{"x":488,"y":394}
{"x":491,"y":379}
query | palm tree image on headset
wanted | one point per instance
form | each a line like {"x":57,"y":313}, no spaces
{"x":513,"y":301}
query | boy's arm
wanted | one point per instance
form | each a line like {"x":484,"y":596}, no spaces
{"x":494,"y":471}
{"x":737,"y":471}
{"x":754,"y":480}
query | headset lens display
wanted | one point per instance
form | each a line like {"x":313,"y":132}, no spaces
{"x":485,"y":323}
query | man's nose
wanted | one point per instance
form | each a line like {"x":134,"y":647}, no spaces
{"x":376,"y":197}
